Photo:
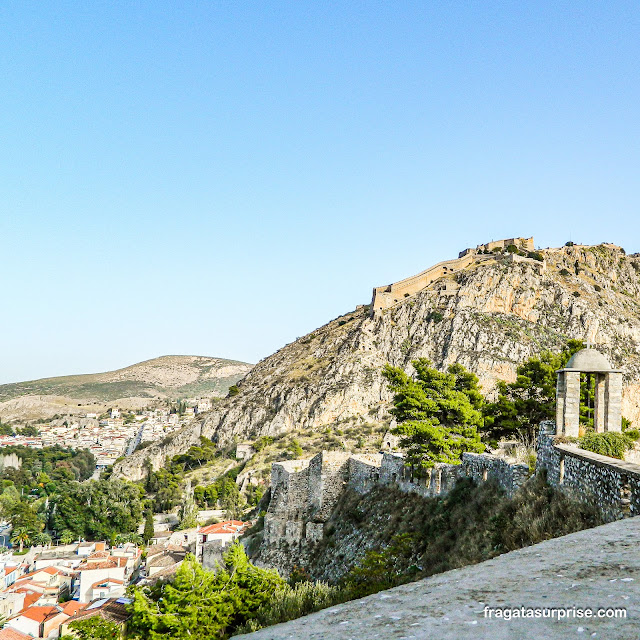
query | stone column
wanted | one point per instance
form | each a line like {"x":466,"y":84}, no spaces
{"x":571,"y":419}
{"x":561,"y":390}
{"x":613,"y":401}
{"x":599,"y":409}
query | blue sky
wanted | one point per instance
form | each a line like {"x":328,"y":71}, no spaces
{"x":219,"y":178}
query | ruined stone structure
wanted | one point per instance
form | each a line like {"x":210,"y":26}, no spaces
{"x":304,"y":492}
{"x":386,"y":296}
{"x":608,"y":393}
{"x":611,"y":485}
{"x":525,"y":244}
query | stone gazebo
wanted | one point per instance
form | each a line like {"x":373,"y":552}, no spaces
{"x":608,"y":393}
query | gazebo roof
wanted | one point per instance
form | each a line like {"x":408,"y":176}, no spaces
{"x":589,"y":361}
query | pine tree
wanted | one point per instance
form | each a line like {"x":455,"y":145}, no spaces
{"x":438,"y":413}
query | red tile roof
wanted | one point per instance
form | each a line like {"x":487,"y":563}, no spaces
{"x":105,"y":581}
{"x":30,"y":597}
{"x":105,"y":564}
{"x":72,"y":607}
{"x":39,"y":614}
{"x":13,"y":634}
{"x":52,"y":571}
{"x":230,"y":526}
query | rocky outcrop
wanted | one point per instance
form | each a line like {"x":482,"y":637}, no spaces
{"x":490,"y":317}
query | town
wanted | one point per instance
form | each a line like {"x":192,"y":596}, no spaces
{"x":49,"y":588}
{"x":109,"y":436}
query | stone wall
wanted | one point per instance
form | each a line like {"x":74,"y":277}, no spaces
{"x":305,"y":492}
{"x":482,"y":467}
{"x":612,"y":486}
{"x":387,"y":296}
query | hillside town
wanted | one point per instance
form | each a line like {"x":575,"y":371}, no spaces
{"x":110,"y":436}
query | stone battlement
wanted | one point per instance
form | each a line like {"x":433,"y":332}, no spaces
{"x":386,"y":296}
{"x":304,"y":492}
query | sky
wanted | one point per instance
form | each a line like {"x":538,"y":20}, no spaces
{"x":220,"y":178}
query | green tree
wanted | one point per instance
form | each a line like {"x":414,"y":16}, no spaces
{"x":20,"y":536}
{"x":94,"y":628}
{"x":202,"y":604}
{"x":6,"y":429}
{"x":67,"y":537}
{"x":98,"y":509}
{"x":523,"y":404}
{"x":30,"y":431}
{"x":23,"y":515}
{"x":438,"y":413}
{"x":149,"y":528}
{"x":42,"y":539}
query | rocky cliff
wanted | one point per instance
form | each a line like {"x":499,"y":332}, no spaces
{"x":490,"y":316}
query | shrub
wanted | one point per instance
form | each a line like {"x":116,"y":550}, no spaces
{"x":576,"y":294}
{"x":262,"y":442}
{"x":535,"y":255}
{"x":597,"y":287}
{"x":564,"y":272}
{"x":234,"y":390}
{"x":287,"y":603}
{"x":611,"y":443}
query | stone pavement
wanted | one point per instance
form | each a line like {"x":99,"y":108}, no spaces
{"x":595,"y":568}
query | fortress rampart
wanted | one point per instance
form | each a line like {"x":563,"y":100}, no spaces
{"x":304,"y":492}
{"x":386,"y":296}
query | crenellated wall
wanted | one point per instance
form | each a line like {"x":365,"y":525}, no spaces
{"x":304,"y":492}
{"x":386,"y":296}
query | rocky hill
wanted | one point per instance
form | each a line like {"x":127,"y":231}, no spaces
{"x":167,"y":377}
{"x":490,"y":316}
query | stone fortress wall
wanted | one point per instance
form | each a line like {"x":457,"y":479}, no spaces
{"x":386,"y":296}
{"x":612,"y":486}
{"x":304,"y":492}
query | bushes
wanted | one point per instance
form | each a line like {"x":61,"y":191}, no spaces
{"x":289,"y":603}
{"x":610,"y":444}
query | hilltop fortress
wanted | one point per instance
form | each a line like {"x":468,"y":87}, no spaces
{"x":386,"y":296}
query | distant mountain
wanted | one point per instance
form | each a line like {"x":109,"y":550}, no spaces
{"x":167,"y":377}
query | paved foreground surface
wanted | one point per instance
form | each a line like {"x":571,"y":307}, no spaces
{"x":596,"y":568}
